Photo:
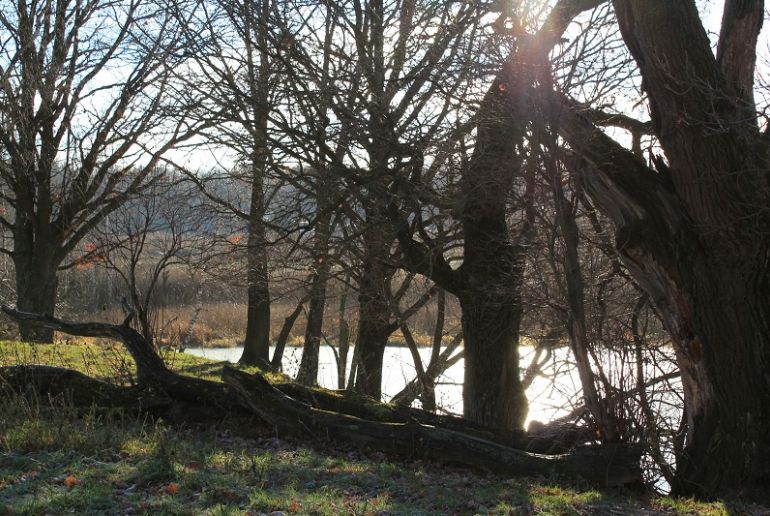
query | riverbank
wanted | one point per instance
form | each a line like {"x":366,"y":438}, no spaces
{"x":55,"y":458}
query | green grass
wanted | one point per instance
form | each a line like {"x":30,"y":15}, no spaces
{"x":94,"y":357}
{"x":57,"y":459}
{"x":132,"y":465}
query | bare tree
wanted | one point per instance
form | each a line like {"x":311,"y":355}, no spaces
{"x":693,"y":229}
{"x":233,"y":71}
{"x":488,"y":282}
{"x":143,"y":239}
{"x":85,"y":116}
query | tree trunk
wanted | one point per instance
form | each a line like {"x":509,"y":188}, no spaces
{"x":488,"y":282}
{"x":276,"y":363}
{"x":344,"y":344}
{"x":694,"y":232}
{"x":256,"y":347}
{"x":608,"y":466}
{"x":374,"y":326}
{"x":308,"y":367}
{"x":492,"y":269}
{"x":492,"y":392}
{"x":36,"y":286}
{"x":722,"y":353}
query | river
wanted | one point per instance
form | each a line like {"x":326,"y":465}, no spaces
{"x":549,"y":397}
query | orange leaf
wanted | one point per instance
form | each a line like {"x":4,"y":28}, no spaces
{"x":172,"y":488}
{"x":295,"y":506}
{"x":71,"y":481}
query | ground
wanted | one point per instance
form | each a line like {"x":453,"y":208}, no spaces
{"x":58,"y":459}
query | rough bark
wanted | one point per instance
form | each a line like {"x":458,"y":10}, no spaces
{"x":36,"y":286}
{"x":308,"y":367}
{"x":289,"y":416}
{"x":256,"y":346}
{"x":694,"y":235}
{"x":374,"y":325}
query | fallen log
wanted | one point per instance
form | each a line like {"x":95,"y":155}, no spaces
{"x":151,"y":371}
{"x":605,"y":465}
{"x":544,"y":439}
{"x":66,"y":384}
{"x":401,"y":431}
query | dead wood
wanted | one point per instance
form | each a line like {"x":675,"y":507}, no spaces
{"x":605,"y":465}
{"x":317,"y":414}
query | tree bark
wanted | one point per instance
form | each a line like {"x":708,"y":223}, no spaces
{"x":489,"y":279}
{"x":492,"y":390}
{"x":36,"y":286}
{"x":308,"y":367}
{"x":492,"y":266}
{"x":256,"y":348}
{"x":694,"y":233}
{"x":374,"y":310}
{"x":617,"y":466}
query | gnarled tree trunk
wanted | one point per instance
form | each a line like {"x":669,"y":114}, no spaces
{"x":695,"y":233}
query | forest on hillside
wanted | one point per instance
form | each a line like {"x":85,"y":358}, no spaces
{"x":531,"y":188}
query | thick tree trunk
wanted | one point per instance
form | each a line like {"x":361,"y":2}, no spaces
{"x":488,"y":281}
{"x":694,"y":233}
{"x":256,"y":346}
{"x":714,"y":304}
{"x":492,"y":270}
{"x":492,"y":392}
{"x":722,"y":350}
{"x":374,"y":325}
{"x":36,"y":286}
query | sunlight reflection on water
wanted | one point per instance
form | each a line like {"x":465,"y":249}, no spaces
{"x":548,"y":399}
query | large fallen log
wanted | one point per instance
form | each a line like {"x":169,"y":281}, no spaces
{"x":68,"y":385}
{"x":605,"y":465}
{"x":543,"y":439}
{"x":323,"y":416}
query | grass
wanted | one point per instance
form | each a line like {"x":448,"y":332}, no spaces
{"x":95,"y":357}
{"x":57,"y":459}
